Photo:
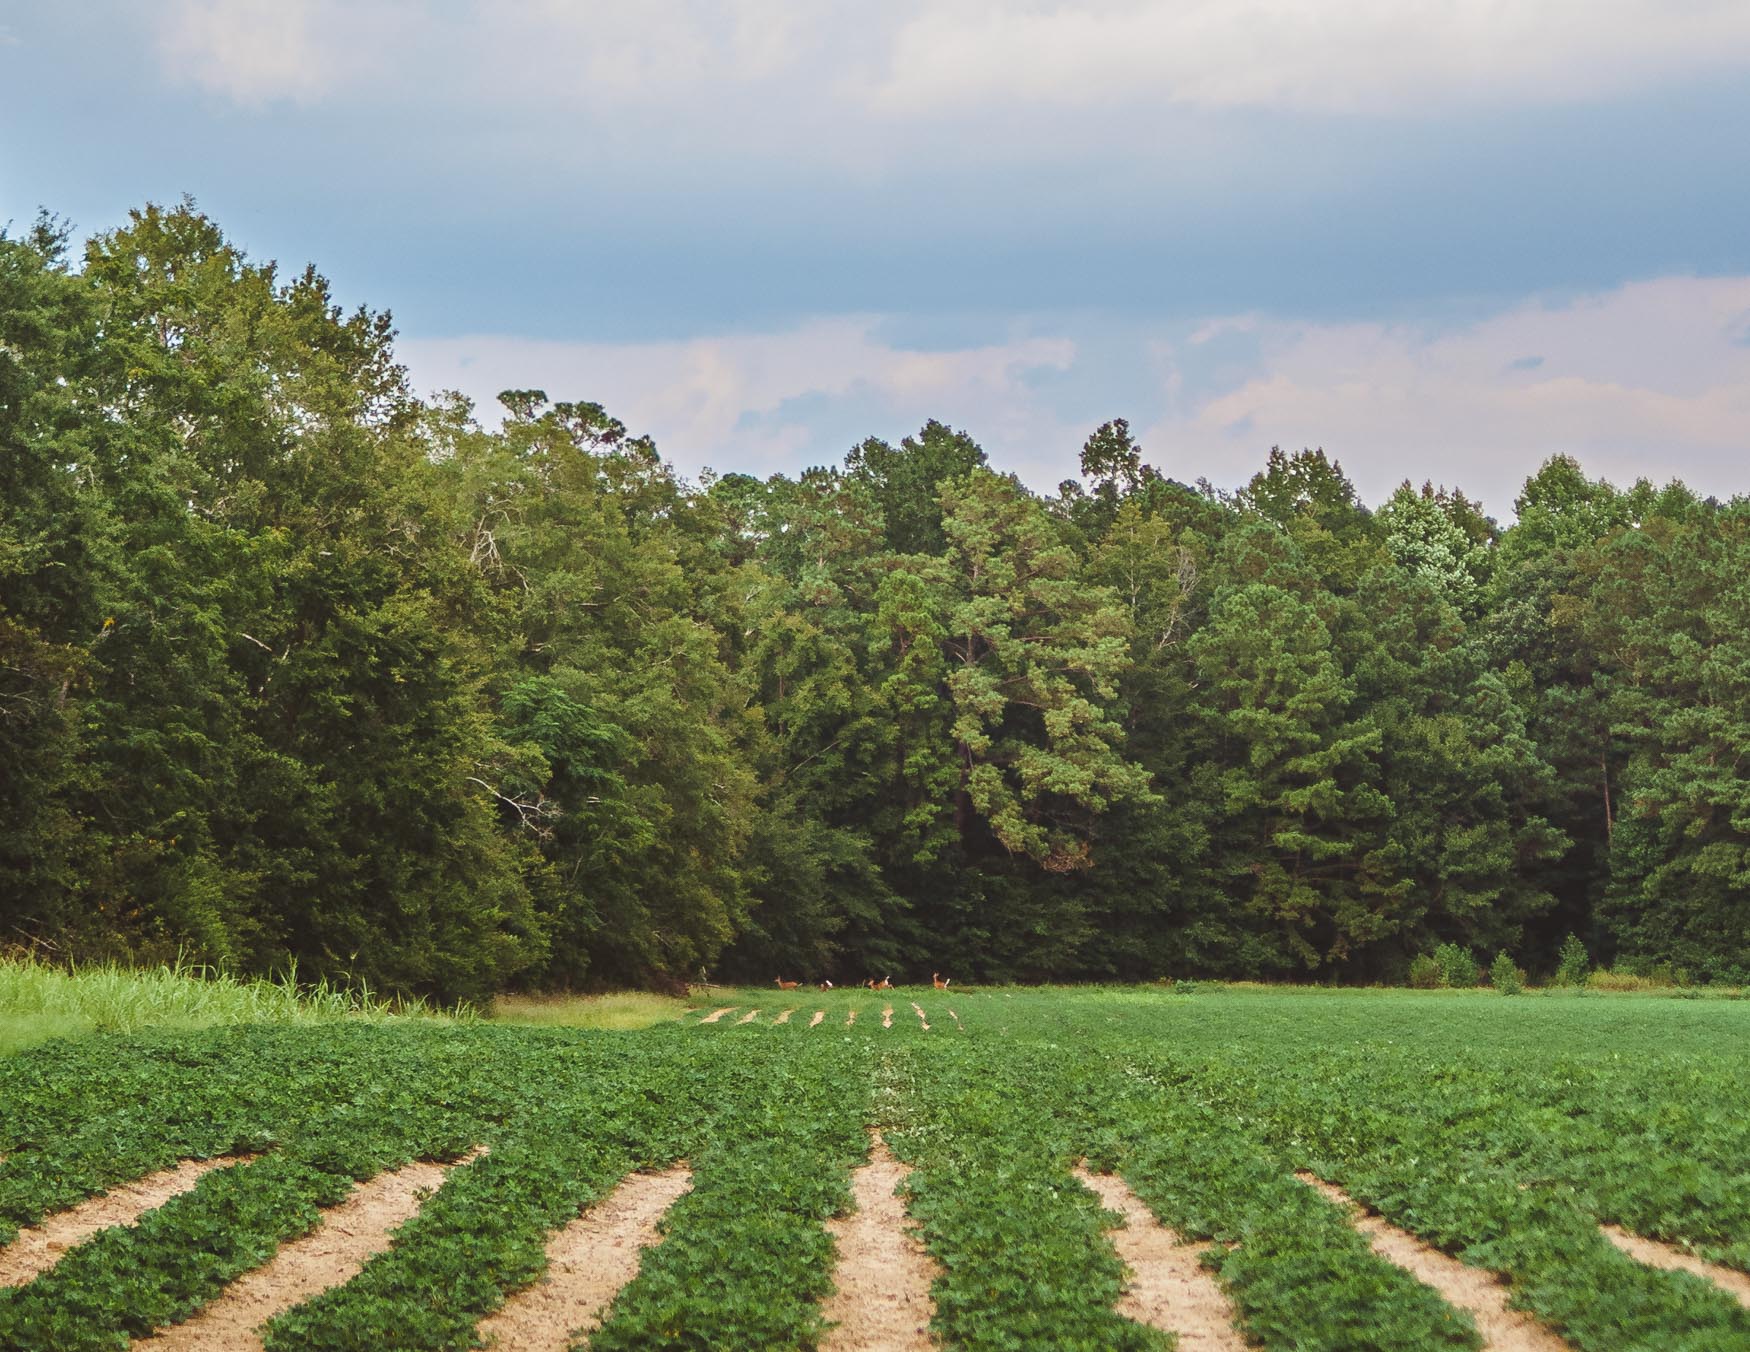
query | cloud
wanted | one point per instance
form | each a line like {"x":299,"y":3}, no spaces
{"x":1339,"y":56}
{"x":758,"y":403}
{"x":919,"y":59}
{"x":257,"y":52}
{"x":1645,"y":379}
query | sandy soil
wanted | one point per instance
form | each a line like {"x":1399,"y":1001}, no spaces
{"x":784,"y":1017}
{"x":330,"y":1255}
{"x":40,"y":1247}
{"x":850,"y":1018}
{"x":887,"y":1016}
{"x":882,"y":1301}
{"x":1167,"y":1287}
{"x":1481,"y":1293}
{"x":1655,"y":1253}
{"x":587,"y":1264}
{"x":716,"y":1014}
{"x":819,"y":1014}
{"x":749,"y":1017}
{"x":957,"y":1023}
{"x":920,"y":1013}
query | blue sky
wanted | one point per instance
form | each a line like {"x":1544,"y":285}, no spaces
{"x":1442,"y":240}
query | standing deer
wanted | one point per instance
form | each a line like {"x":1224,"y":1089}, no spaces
{"x":936,"y":979}
{"x":784,"y":985}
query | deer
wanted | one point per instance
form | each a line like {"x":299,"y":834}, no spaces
{"x":826,"y":985}
{"x":784,"y":985}
{"x":885,"y":984}
{"x":936,"y":980}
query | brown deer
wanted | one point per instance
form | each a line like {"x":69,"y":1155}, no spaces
{"x":936,"y":980}
{"x":786,"y":985}
{"x":826,"y":985}
{"x":885,"y":984}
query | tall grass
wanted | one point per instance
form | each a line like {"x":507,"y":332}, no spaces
{"x":39,"y":1001}
{"x":624,"y":1010}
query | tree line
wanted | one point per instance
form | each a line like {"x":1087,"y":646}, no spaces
{"x":297,"y":667}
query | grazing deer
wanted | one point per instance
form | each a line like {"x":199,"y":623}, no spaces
{"x":936,"y":979}
{"x":786,"y":985}
{"x":826,"y":985}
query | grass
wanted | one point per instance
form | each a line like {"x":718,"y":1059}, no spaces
{"x":621,"y":1011}
{"x":40,"y":1001}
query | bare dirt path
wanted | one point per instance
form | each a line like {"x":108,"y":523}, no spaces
{"x":40,"y":1247}
{"x":587,"y":1264}
{"x":887,"y":1017}
{"x":330,"y":1255}
{"x":1482,"y":1294}
{"x":1656,"y":1253}
{"x":784,"y":1017}
{"x":748,"y":1017}
{"x":819,"y":1014}
{"x":850,"y":1018}
{"x":882,"y":1298}
{"x":956,"y":1018}
{"x":1167,"y":1287}
{"x":716,"y":1014}
{"x":920,"y":1013}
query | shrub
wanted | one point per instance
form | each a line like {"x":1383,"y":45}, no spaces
{"x":1457,"y":968}
{"x":1505,"y":976}
{"x":1573,"y":964}
{"x":1424,"y":972}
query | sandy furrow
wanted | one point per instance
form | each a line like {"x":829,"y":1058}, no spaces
{"x":330,"y":1255}
{"x":748,"y":1017}
{"x":716,"y":1014}
{"x":850,"y":1018}
{"x":881,"y":1301}
{"x":1656,"y":1253}
{"x":920,"y":1013}
{"x":40,"y":1247}
{"x":784,"y":1017}
{"x":587,"y":1264}
{"x":956,"y":1018}
{"x":1479,"y":1292}
{"x":887,"y":1017}
{"x":819,"y":1014}
{"x":1167,"y":1287}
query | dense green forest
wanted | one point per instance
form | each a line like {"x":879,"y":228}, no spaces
{"x":298,"y":667}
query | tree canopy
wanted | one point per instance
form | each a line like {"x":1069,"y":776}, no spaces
{"x":299,"y":668}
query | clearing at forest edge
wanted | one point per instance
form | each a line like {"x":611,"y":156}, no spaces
{"x":750,"y":1183}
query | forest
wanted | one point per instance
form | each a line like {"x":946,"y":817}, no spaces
{"x":302,"y":671}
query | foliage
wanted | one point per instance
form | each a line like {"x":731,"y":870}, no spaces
{"x":1505,"y":976}
{"x":297,"y":668}
{"x":1458,"y":970}
{"x":1574,"y":963}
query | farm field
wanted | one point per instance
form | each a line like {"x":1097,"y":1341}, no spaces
{"x":1337,"y":1170}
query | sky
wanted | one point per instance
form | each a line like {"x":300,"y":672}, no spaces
{"x":1441,"y":239}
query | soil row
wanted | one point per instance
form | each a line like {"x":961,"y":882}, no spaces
{"x":882,"y":1282}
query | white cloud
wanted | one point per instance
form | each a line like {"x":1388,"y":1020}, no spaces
{"x":1317,"y":55}
{"x":729,"y":402}
{"x":1651,"y":379}
{"x":256,"y":52}
{"x":919,"y":59}
{"x":1644,"y":380}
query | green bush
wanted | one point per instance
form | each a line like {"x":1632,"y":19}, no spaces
{"x":1424,"y":972}
{"x":1572,"y":964}
{"x":1505,"y":976}
{"x":1458,"y":969}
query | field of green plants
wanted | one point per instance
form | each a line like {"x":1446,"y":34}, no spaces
{"x":1502,"y":1131}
